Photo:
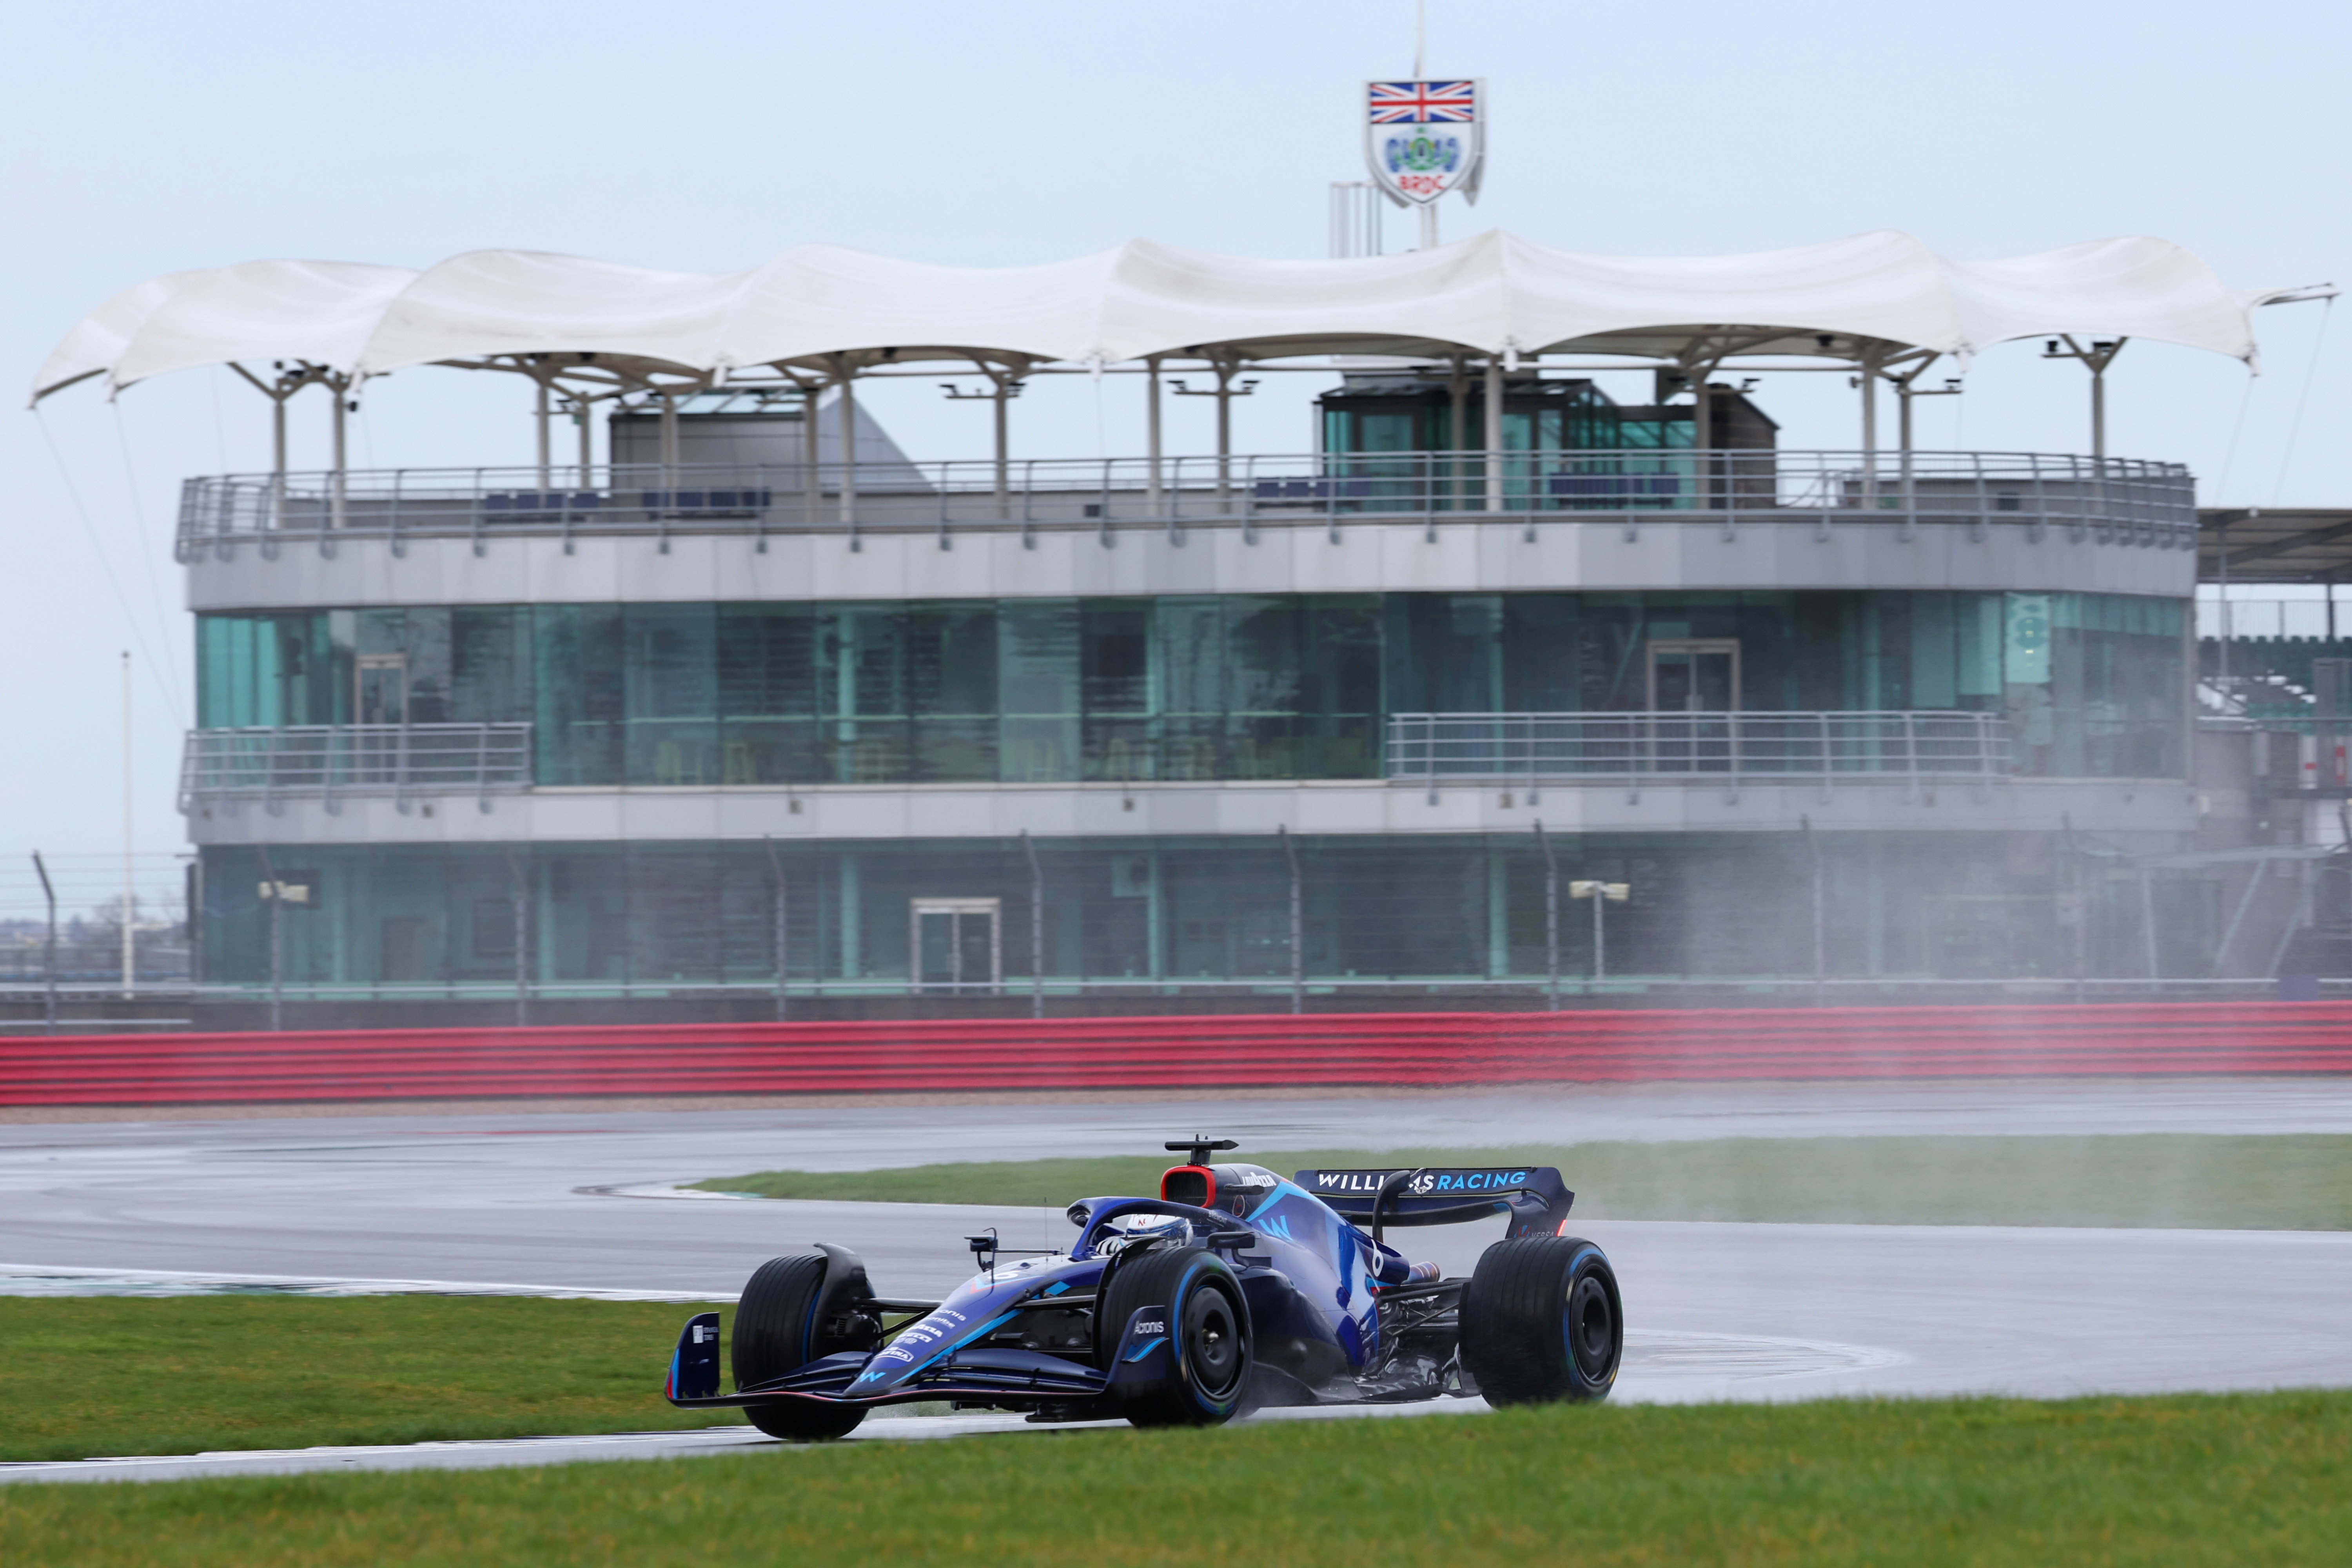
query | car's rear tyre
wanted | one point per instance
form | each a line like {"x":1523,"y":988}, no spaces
{"x":796,"y":1309}
{"x":1541,"y":1321}
{"x":1208,"y":1357}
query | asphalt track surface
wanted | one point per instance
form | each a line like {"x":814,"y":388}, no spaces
{"x":538,"y":1201}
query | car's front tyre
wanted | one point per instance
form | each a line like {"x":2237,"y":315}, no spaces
{"x":1541,"y":1321}
{"x":791,"y":1315}
{"x":1207,"y":1357}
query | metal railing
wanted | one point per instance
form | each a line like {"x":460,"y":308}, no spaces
{"x":2111,"y":499}
{"x":331,"y":760}
{"x":2297,"y":620}
{"x":1716,"y":748}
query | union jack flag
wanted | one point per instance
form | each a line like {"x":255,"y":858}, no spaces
{"x":1424,"y":102}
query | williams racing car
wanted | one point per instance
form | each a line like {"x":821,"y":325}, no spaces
{"x":1231,"y":1289}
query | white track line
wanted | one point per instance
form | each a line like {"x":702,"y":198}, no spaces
{"x":507,"y":1452}
{"x":61,"y":1280}
{"x":1650,"y":1357}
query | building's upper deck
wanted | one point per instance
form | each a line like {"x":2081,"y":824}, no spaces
{"x":1492,"y":522}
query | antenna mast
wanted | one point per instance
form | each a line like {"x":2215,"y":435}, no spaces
{"x":1420,"y":73}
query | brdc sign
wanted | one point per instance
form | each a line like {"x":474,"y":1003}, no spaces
{"x":1423,"y":139}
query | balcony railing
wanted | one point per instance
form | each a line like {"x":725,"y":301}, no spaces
{"x":2295,"y":620}
{"x":1939,"y":745}
{"x":326,"y":760}
{"x":2111,"y":499}
{"x":481,"y":760}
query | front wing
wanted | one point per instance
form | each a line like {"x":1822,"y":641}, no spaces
{"x":977,"y":1375}
{"x":1008,"y":1377}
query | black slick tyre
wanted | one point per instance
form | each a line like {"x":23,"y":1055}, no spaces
{"x":1208,"y":1327}
{"x":1542,"y":1321}
{"x":796,"y":1309}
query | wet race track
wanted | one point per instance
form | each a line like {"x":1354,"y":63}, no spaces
{"x":567,"y":1201}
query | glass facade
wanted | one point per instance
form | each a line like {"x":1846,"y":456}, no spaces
{"x":1174,"y":687}
{"x":1385,"y":437}
{"x":947,"y":914}
{"x":1409,"y":414}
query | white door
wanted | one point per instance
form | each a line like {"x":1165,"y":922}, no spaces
{"x":956,"y":945}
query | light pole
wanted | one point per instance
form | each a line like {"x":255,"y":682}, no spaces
{"x":520,"y":891}
{"x":1821,"y":915}
{"x":1298,"y":925}
{"x":1036,"y":929}
{"x":274,"y":892}
{"x":784,"y":951}
{"x":48,"y":948}
{"x":1602,"y":895}
{"x":1551,"y":918}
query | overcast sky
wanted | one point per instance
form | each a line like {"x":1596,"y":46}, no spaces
{"x":144,"y":139}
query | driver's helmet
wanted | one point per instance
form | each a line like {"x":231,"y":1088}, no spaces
{"x":1121,"y":1231}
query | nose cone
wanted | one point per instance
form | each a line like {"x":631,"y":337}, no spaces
{"x":979,"y":1307}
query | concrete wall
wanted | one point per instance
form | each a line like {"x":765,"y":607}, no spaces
{"x":839,"y":812}
{"x":1364,"y":557}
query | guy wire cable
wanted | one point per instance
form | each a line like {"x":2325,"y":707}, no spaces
{"x":2310,"y":370}
{"x":146,"y":556}
{"x":121,"y":600}
{"x":2229,"y":457}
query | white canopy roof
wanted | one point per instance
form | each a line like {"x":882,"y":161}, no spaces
{"x":825,"y":308}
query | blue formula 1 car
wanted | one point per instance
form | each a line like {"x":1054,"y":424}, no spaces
{"x":1231,"y":1290}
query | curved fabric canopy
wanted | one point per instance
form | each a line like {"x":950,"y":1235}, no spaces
{"x":322,"y":311}
{"x":831,"y":310}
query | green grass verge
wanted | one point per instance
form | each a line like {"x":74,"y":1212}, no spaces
{"x":2282,"y":1182}
{"x":99,"y":1375}
{"x":2239,"y":1479}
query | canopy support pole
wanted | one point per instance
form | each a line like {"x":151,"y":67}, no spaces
{"x":1493,"y":463}
{"x":276,"y":460}
{"x":1004,"y":386}
{"x":1712,"y":493}
{"x":845,"y":411}
{"x":1906,"y":390}
{"x":813,"y":455}
{"x":287,"y":383}
{"x":1903,"y":451}
{"x":1697,"y":363}
{"x":811,"y":452}
{"x":1224,"y":367}
{"x":340,"y":386}
{"x":1225,"y":363}
{"x":2099,"y":412}
{"x":546,"y":452}
{"x":1004,"y":394}
{"x":581,"y":405}
{"x":1457,"y":388}
{"x":1152,"y":434}
{"x":1870,"y":362}
{"x":2100,"y":354}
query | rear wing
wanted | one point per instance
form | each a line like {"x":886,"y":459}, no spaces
{"x":1533,"y":1196}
